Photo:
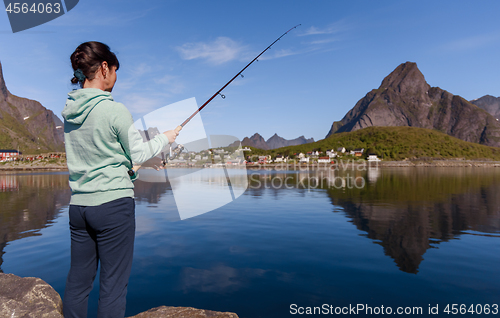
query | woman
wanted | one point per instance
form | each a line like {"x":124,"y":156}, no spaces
{"x":102,"y":147}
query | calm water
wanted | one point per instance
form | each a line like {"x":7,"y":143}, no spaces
{"x":410,"y":237}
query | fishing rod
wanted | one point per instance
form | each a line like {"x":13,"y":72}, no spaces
{"x":232,"y":79}
{"x":179,"y":148}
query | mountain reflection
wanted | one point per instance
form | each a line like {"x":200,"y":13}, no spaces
{"x":30,"y":202}
{"x":150,"y":192}
{"x":407,"y":211}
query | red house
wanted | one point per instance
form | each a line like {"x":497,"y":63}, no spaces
{"x":8,"y":153}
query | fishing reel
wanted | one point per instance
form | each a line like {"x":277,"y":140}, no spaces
{"x":173,"y":153}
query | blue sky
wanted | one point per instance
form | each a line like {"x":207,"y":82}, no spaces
{"x":173,"y":50}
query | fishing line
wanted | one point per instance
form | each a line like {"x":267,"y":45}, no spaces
{"x":219,"y":92}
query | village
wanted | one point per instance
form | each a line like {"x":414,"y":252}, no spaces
{"x":244,"y":156}
{"x":8,"y":155}
{"x":220,"y":156}
{"x":312,"y":157}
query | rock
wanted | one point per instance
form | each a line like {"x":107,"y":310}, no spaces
{"x":28,"y":297}
{"x":183,"y":312}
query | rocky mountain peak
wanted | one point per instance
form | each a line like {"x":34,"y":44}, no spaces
{"x":256,"y":141}
{"x":406,"y":79}
{"x":4,"y":93}
{"x":257,"y":136}
{"x":405,"y":99}
{"x":275,"y":136}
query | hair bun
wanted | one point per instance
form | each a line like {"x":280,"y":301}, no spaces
{"x":87,"y":58}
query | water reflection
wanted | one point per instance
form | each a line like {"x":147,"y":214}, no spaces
{"x":407,"y":211}
{"x":30,"y":202}
{"x":150,"y":192}
{"x":223,"y":279}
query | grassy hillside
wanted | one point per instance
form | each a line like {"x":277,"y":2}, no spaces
{"x":15,"y":135}
{"x":396,"y":143}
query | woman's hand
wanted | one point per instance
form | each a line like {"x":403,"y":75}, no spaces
{"x":172,"y":134}
{"x":136,"y":168}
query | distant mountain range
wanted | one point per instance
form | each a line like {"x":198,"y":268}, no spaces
{"x":274,"y":142}
{"x":26,"y":125}
{"x":405,"y":99}
{"x":490,"y":104}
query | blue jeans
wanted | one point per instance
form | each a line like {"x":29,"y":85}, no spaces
{"x":104,"y":234}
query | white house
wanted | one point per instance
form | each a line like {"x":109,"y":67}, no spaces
{"x":331,"y":153}
{"x":373,"y":158}
{"x":304,"y":160}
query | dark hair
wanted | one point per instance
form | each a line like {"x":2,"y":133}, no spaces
{"x":89,"y":56}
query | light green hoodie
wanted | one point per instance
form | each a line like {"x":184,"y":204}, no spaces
{"x":101,"y":144}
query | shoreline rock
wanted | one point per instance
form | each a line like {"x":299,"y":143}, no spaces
{"x":183,"y":312}
{"x":31,"y":297}
{"x":28,"y":297}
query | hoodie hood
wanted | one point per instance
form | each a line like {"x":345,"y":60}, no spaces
{"x":81,"y":102}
